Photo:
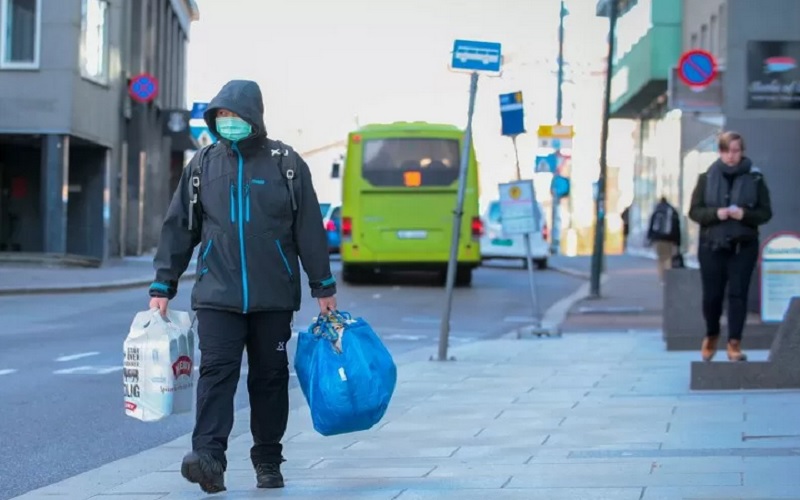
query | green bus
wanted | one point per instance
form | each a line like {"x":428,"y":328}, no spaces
{"x":399,"y":189}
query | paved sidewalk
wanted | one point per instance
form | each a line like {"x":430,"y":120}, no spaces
{"x":119,"y":273}
{"x":585,"y":416}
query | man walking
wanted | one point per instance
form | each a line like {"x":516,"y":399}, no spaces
{"x":665,"y":233}
{"x":249,"y":202}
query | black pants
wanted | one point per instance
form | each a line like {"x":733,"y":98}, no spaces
{"x":731,"y":267}
{"x":223,"y":338}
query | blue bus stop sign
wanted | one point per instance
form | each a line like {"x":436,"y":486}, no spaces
{"x":476,"y":56}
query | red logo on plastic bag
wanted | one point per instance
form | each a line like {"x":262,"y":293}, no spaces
{"x":182,"y":366}
{"x":130,"y":406}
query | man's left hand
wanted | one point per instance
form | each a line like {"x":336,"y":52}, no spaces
{"x":327,"y":304}
{"x":736,"y":213}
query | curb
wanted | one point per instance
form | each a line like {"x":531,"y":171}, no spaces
{"x":86,"y":287}
{"x":570,"y":271}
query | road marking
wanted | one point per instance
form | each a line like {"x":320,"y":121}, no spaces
{"x":89,"y":370}
{"x":7,"y":371}
{"x":73,"y":357}
{"x":376,"y":296}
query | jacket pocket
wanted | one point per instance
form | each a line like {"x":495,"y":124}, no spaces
{"x":284,"y":259}
{"x":204,"y":260}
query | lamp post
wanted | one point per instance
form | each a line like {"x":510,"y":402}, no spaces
{"x":600,"y":208}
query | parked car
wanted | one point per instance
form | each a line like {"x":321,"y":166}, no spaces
{"x":332,"y":219}
{"x":496,"y":245}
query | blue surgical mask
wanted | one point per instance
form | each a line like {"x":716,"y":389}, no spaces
{"x":233,"y":128}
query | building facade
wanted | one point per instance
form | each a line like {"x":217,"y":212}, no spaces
{"x":757,"y":92}
{"x":84,"y":167}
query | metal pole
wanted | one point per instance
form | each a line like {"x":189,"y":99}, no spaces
{"x":555,"y":230}
{"x":140,"y":228}
{"x":537,"y":316}
{"x":123,"y":202}
{"x":444,"y":330}
{"x":600,"y":216}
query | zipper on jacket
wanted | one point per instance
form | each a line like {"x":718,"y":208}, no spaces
{"x":285,"y":260}
{"x":204,"y":258}
{"x":233,"y":202}
{"x":247,"y":202}
{"x":240,"y":200}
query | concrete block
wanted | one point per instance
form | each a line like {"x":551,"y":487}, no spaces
{"x":683,"y":324}
{"x":780,"y":371}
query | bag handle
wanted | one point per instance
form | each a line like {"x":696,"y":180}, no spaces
{"x":325,"y":325}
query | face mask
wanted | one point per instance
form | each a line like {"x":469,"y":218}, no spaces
{"x":233,"y":128}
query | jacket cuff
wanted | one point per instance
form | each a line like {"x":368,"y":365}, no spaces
{"x":162,"y":290}
{"x":323,"y":288}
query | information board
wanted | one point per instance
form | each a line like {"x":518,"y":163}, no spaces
{"x":780,"y":275}
{"x":517,"y":208}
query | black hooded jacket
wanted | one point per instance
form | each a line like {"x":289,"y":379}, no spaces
{"x":250,"y":236}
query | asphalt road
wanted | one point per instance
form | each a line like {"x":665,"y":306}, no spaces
{"x":60,"y":362}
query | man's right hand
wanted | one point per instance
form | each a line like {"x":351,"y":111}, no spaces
{"x":159,"y":303}
{"x":722,"y":213}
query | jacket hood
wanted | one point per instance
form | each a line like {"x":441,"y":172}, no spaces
{"x":244,"y":98}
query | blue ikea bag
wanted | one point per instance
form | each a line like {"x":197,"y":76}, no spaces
{"x":345,"y":372}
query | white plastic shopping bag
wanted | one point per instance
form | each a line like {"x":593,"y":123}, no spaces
{"x":158,"y":365}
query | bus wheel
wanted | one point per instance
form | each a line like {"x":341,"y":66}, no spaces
{"x":464,"y":276}
{"x":351,"y":274}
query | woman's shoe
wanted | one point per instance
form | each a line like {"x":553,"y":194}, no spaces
{"x":709,"y":348}
{"x":735,"y":351}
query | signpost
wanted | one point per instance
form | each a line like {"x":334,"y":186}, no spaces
{"x":780,"y":275}
{"x":143,"y":88}
{"x":697,"y":68}
{"x":473,"y":57}
{"x":556,"y":137}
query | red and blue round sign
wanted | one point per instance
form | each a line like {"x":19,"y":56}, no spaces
{"x":697,"y":68}
{"x":143,"y":88}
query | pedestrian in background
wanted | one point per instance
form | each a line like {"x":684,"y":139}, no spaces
{"x":257,"y":212}
{"x":664,"y":232}
{"x":730,"y":201}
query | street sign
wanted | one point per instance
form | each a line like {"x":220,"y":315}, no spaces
{"x":512,"y":114}
{"x":143,"y":88}
{"x":546,"y":164}
{"x":198,"y":108}
{"x":708,"y":99}
{"x":780,"y":275}
{"x":555,"y":136}
{"x":471,"y":55}
{"x":560,"y":186}
{"x":517,"y":208}
{"x":697,"y":68}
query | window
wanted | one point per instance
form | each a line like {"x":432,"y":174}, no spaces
{"x":94,"y":40}
{"x":694,"y":41}
{"x":20,"y":31}
{"x":713,"y":46}
{"x":411,"y":162}
{"x":704,"y":37}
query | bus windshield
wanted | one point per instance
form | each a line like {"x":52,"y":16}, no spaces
{"x":410,"y":162}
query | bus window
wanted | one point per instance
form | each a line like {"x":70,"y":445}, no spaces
{"x":432,"y":162}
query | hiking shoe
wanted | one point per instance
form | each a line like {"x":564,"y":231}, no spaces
{"x":709,"y":348}
{"x":205,"y":470}
{"x":269,"y":475}
{"x":735,"y":351}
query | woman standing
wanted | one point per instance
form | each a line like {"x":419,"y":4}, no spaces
{"x":729,"y":202}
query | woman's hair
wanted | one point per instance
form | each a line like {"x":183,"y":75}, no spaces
{"x":726,"y":138}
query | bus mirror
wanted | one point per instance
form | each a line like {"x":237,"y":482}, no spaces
{"x":335,"y":170}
